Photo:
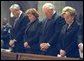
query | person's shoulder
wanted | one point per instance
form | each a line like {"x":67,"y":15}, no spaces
{"x":76,"y":25}
{"x":59,"y":16}
{"x":60,"y":19}
{"x":39,"y":22}
{"x":24,"y":15}
{"x":43,"y":20}
{"x":76,"y":22}
{"x":25,"y":18}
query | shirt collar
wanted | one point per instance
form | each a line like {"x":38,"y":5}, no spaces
{"x":20,"y":14}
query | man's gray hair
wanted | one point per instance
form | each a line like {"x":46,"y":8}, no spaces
{"x":14,"y":6}
{"x":49,"y":6}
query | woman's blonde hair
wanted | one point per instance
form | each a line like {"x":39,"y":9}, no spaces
{"x":70,"y":10}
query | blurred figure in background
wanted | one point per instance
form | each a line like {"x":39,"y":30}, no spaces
{"x":5,"y":34}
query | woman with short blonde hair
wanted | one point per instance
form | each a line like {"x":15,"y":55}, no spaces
{"x":70,"y":10}
{"x":69,"y":34}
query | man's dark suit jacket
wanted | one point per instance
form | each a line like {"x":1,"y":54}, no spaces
{"x":18,"y":32}
{"x":50,"y":32}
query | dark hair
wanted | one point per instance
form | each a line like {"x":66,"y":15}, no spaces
{"x":33,"y":11}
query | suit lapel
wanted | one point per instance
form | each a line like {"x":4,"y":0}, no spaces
{"x":71,"y":27}
{"x":18,"y":20}
{"x":29,"y":25}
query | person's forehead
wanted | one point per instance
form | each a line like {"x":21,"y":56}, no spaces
{"x":67,"y":13}
{"x":29,"y":14}
{"x":13,"y":10}
{"x":45,"y":8}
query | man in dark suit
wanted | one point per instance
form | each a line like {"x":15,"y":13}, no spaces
{"x":50,"y":31}
{"x":68,"y":38}
{"x":19,"y":27}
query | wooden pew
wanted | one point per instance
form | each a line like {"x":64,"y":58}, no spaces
{"x":8,"y":56}
{"x":22,"y":56}
{"x":26,"y":56}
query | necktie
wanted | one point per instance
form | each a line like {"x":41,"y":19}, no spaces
{"x":66,"y":27}
{"x":15,"y":22}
